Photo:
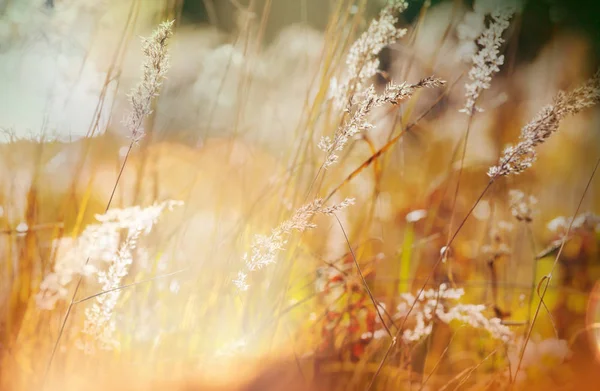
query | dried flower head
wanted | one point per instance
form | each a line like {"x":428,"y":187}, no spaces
{"x":362,"y":61}
{"x":498,"y":246}
{"x":240,"y":281}
{"x":521,"y":206}
{"x":516,"y":159}
{"x":488,"y":59}
{"x":154,"y":69}
{"x":265,"y":248}
{"x":358,"y":121}
{"x":584,"y":224}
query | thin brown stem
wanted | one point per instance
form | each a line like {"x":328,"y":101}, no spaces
{"x":438,"y":362}
{"x":72,"y":302}
{"x":129,"y":285}
{"x":380,"y":367}
{"x":364,"y":281}
{"x":473,"y":369}
{"x":391,"y":142}
{"x":441,"y":258}
{"x":457,"y":189}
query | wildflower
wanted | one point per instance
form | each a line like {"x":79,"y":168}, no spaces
{"x":154,"y":70}
{"x":584,"y":221}
{"x":431,"y":305}
{"x":488,"y":59}
{"x":483,"y":210}
{"x":174,"y":287}
{"x":587,"y":221}
{"x":496,"y":250}
{"x":498,"y":246}
{"x":22,"y":228}
{"x":516,"y":159}
{"x":558,"y":223}
{"x":240,"y":281}
{"x":522,"y":206}
{"x":416,"y":215}
{"x":505,"y":226}
{"x":362,"y":61}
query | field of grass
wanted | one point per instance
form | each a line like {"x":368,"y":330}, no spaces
{"x":298,"y":195}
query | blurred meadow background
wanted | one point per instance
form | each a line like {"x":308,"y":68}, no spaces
{"x":299,"y":194}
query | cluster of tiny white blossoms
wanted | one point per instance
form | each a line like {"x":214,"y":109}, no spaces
{"x":540,"y":354}
{"x":498,"y":246}
{"x":99,"y":325}
{"x":516,"y":159}
{"x":467,"y":32}
{"x":586,"y":221}
{"x":362,"y":61}
{"x":73,"y":263}
{"x":431,"y":306}
{"x":241,"y":281}
{"x":473,"y":25}
{"x":100,"y":244}
{"x":521,"y":206}
{"x":154,"y":69}
{"x":488,"y":59}
{"x":416,"y":215}
{"x":97,"y":244}
{"x":358,"y":121}
{"x":265,"y":248}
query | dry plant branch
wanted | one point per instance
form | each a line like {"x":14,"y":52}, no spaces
{"x":154,"y":68}
{"x":381,"y":151}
